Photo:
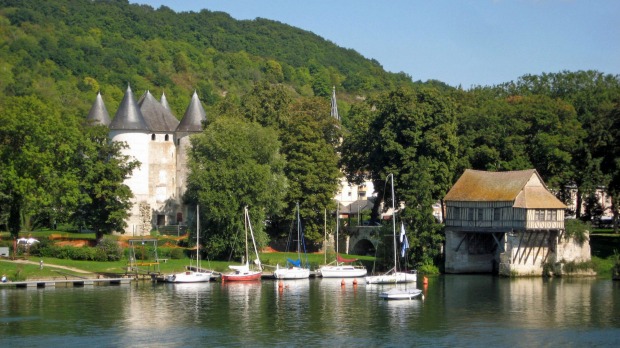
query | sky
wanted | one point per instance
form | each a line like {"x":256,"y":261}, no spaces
{"x":460,"y":42}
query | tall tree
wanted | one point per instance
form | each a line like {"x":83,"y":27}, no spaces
{"x":412,"y":134}
{"x":37,"y":177}
{"x":104,"y":202}
{"x":309,"y":144}
{"x":233,"y":164}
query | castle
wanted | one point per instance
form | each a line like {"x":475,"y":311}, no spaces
{"x":157,"y":139}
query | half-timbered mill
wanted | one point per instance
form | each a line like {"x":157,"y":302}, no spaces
{"x":507,"y":223}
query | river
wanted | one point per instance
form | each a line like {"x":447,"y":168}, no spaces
{"x":457,"y":311}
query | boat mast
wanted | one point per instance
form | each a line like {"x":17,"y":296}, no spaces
{"x":298,"y":233}
{"x":394,"y":222}
{"x":197,"y":239}
{"x":337,"y":226}
{"x":245,"y":222}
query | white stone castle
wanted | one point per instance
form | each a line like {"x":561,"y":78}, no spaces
{"x":157,"y":139}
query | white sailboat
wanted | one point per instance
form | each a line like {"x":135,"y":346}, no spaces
{"x":244,"y":272}
{"x":341,"y":267}
{"x":190,"y":275}
{"x":295,"y":269}
{"x":393,"y":276}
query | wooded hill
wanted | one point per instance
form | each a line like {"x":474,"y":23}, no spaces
{"x":71,"y":49}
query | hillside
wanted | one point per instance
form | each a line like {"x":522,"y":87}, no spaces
{"x":67,"y":50}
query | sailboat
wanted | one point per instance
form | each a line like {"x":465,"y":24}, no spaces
{"x":243,"y":272}
{"x":397,"y":293}
{"x":192,"y":276}
{"x":341,"y":268}
{"x":295,"y":270}
{"x":393,"y":276}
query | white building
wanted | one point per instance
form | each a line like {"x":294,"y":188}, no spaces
{"x":160,"y":142}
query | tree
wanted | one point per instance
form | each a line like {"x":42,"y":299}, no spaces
{"x":411,"y":134}
{"x":235,"y":164}
{"x":104,"y":202}
{"x":36,"y":147}
{"x":309,"y":144}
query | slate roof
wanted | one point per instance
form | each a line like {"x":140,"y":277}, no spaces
{"x":164,"y":102}
{"x":482,"y":186}
{"x":157,"y":117}
{"x":128,"y":116}
{"x":98,"y":114}
{"x":194,"y":116}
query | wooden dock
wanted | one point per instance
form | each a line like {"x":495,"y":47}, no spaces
{"x":52,"y":283}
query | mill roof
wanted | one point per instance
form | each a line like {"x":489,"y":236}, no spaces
{"x":98,"y":114}
{"x":194,"y":116}
{"x":524,"y":187}
{"x":157,"y":117}
{"x":128,"y":116}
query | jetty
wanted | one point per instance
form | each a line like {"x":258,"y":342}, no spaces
{"x":52,"y":283}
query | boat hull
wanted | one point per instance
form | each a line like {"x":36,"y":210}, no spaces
{"x":392,"y":278}
{"x":241,"y":277}
{"x":344,"y":271}
{"x":401,"y":294}
{"x":189,"y":277}
{"x":292,"y":273}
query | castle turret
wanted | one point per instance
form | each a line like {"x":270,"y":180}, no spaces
{"x":192,"y":123}
{"x":130,"y":127}
{"x":162,"y":160}
{"x":98,"y":114}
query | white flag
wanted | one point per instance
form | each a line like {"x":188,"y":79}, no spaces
{"x":402,"y":231}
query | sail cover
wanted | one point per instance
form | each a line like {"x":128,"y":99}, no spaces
{"x":296,"y":263}
{"x":341,"y":259}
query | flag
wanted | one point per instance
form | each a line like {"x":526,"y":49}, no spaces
{"x":404,"y":247}
{"x":403,"y":240}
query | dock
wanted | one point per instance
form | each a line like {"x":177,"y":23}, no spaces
{"x":52,"y":283}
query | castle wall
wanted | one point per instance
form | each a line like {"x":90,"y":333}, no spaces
{"x":138,"y":182}
{"x":163,"y":198}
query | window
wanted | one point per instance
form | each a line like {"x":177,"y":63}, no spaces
{"x":166,"y":138}
{"x":480,"y":214}
{"x":457,"y":213}
{"x":153,"y":137}
{"x":552,"y":215}
{"x":497,"y":214}
{"x":470,"y":214}
{"x":539,"y":215}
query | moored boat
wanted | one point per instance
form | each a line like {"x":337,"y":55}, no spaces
{"x":244,"y":272}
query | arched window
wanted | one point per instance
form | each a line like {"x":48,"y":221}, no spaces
{"x":153,"y":137}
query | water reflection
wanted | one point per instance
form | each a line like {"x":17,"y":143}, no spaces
{"x":457,"y":311}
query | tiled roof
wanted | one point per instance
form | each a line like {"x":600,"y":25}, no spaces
{"x":194,"y":116}
{"x":157,"y":117}
{"x":128,"y":116}
{"x":98,"y":114}
{"x":482,"y":186}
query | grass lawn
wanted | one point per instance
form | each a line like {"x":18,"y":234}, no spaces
{"x":603,"y":245}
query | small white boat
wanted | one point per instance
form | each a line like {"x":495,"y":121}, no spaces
{"x":295,"y":269}
{"x":191,"y":275}
{"x":341,"y":268}
{"x":401,"y":294}
{"x":393,"y":276}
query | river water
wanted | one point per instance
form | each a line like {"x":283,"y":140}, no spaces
{"x":457,"y":311}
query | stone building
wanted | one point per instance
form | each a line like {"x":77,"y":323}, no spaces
{"x":157,"y":139}
{"x":507,"y":223}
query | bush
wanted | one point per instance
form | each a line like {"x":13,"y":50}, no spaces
{"x":577,"y":229}
{"x":108,"y":250}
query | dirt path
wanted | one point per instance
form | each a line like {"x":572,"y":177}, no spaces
{"x":77,"y":270}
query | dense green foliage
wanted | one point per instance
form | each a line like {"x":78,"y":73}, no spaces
{"x":270,"y":141}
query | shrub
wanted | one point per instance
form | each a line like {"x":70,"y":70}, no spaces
{"x":108,"y":250}
{"x":577,"y":229}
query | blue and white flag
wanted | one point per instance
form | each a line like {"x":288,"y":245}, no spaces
{"x":403,"y":241}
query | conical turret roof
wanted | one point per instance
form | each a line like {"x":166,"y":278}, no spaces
{"x":128,"y":115}
{"x":98,"y":114}
{"x":164,"y":102}
{"x":157,"y":117}
{"x":194,"y":116}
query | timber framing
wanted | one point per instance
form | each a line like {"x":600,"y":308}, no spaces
{"x":501,"y":222}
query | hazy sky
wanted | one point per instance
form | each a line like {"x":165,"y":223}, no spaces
{"x":459,"y":42}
